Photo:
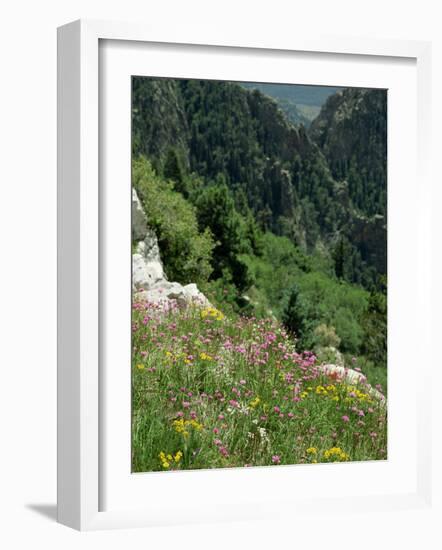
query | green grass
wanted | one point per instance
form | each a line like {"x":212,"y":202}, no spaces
{"x":210,"y":391}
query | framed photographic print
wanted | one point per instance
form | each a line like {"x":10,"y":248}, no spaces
{"x":242,"y":255}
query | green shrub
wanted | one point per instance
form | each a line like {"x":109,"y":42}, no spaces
{"x":185,"y":251}
{"x":325,"y":336}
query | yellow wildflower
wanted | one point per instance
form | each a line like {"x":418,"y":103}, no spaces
{"x":255,"y":402}
{"x":197,"y":425}
{"x":167,"y":460}
{"x":213,"y":313}
{"x":336,"y":454}
{"x":140,"y":366}
{"x":311,"y":450}
{"x":164,"y":461}
{"x":181,"y":426}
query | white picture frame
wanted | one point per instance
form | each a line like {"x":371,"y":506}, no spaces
{"x":80,"y":260}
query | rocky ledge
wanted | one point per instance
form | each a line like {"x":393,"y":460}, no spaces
{"x":149,"y":281}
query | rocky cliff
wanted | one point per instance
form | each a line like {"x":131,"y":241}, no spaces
{"x":149,"y":281}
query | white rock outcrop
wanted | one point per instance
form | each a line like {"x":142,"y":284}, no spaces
{"x":147,"y":268}
{"x":352,"y":377}
{"x":149,"y":282}
{"x":139,"y":221}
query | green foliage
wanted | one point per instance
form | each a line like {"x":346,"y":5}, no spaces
{"x":339,"y":256}
{"x":325,"y":336}
{"x":219,"y":397}
{"x":158,"y":120}
{"x":275,"y":270}
{"x":248,"y":206}
{"x":284,"y":231}
{"x":173,"y":171}
{"x":338,"y":304}
{"x":324,"y":300}
{"x":216,"y":212}
{"x":222,"y":130}
{"x":186,"y":252}
{"x":376,"y":374}
{"x":296,"y":318}
{"x":375,"y":329}
{"x":362,"y":162}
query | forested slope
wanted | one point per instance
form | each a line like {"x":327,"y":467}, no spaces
{"x":260,"y":184}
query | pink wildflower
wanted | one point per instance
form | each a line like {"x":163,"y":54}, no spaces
{"x":345,"y":418}
{"x":276,"y":459}
{"x":224,"y":451}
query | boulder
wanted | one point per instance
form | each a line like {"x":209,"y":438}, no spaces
{"x":164,"y":291}
{"x":352,"y":377}
{"x":149,"y":282}
{"x":196,"y":296}
{"x":147,"y":268}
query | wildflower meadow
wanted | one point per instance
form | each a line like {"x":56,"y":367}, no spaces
{"x":212,"y":390}
{"x":259,"y":274}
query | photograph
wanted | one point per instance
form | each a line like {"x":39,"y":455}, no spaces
{"x":259,"y":274}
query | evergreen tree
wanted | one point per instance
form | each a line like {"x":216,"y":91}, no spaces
{"x":215,"y":209}
{"x":339,"y":258}
{"x":296,"y":319}
{"x":374,"y":324}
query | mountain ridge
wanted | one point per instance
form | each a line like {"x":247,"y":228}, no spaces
{"x":286,"y":176}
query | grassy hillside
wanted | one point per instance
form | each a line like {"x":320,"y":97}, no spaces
{"x":212,"y":391}
{"x":284,"y":232}
{"x":243,"y":270}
